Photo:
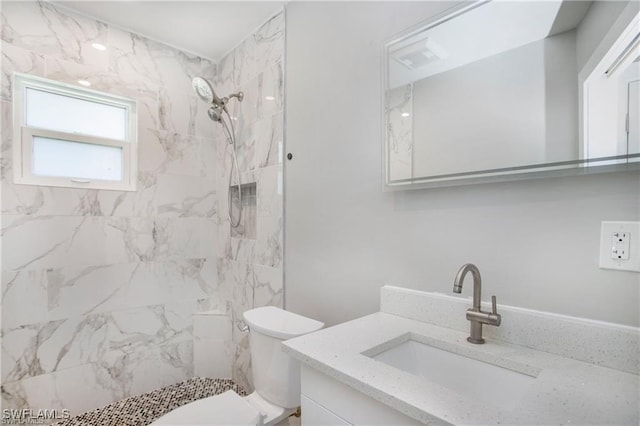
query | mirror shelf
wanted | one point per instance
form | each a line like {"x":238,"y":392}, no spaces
{"x":625,"y":163}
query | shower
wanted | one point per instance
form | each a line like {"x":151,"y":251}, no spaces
{"x":216,"y":112}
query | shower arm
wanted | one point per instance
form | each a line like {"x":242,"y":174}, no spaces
{"x":222,"y":102}
{"x":238,"y":95}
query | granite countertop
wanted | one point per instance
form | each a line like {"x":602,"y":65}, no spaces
{"x":565,"y":391}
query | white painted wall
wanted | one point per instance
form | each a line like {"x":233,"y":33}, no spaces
{"x":606,"y":94}
{"x":536,"y":242}
{"x":521,"y":105}
{"x":463,"y":113}
{"x":608,"y":104}
{"x":594,"y":26}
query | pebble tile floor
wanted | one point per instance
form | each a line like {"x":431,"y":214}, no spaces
{"x":143,"y":409}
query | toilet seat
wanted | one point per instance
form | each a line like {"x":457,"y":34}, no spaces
{"x":227,"y":408}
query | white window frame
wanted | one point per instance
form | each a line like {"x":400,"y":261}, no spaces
{"x":23,"y":136}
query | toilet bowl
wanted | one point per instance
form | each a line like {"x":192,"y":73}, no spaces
{"x":276,"y":377}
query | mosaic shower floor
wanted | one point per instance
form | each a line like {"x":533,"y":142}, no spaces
{"x":141,"y":410}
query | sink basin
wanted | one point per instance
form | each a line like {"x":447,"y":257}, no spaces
{"x":498,"y":385}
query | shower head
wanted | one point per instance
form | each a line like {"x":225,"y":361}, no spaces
{"x":218,"y":105}
{"x":204,"y":90}
{"x":215,"y":113}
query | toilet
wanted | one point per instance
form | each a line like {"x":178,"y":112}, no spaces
{"x":276,"y":377}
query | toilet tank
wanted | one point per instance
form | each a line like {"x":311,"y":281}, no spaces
{"x":276,"y":376}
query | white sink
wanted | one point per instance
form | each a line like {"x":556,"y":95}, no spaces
{"x":487,"y":382}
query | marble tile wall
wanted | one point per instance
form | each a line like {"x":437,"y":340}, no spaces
{"x":250,"y":272}
{"x":99,"y":287}
{"x":212,"y":344}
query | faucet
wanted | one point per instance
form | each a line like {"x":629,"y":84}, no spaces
{"x":475,"y":314}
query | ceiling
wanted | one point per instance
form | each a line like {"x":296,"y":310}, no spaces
{"x":207,"y":28}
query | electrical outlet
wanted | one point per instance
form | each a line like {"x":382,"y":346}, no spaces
{"x":620,"y":246}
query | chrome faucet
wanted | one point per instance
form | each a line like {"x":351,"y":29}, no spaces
{"x":475,"y":314}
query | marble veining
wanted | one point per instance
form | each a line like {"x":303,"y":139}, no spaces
{"x":399,"y":114}
{"x":250,"y":270}
{"x":100,"y":287}
{"x":43,"y":29}
{"x":17,"y":59}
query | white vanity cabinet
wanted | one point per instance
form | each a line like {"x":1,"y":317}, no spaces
{"x":316,"y":415}
{"x":325,"y":401}
{"x":574,"y":371}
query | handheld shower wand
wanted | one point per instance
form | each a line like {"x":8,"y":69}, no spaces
{"x":219,"y":107}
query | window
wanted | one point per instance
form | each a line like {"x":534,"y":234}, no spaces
{"x":73,"y":137}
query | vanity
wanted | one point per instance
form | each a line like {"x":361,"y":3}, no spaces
{"x":411,"y":363}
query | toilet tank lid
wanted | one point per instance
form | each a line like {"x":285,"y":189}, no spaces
{"x":278,"y":323}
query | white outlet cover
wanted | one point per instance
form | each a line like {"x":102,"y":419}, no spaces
{"x":606,"y":232}
{"x":620,"y":245}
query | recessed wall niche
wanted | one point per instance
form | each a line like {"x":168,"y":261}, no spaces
{"x":247,"y":227}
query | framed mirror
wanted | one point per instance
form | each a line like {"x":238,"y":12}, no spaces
{"x":493,"y":91}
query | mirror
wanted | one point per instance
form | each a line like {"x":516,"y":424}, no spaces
{"x":509,"y":90}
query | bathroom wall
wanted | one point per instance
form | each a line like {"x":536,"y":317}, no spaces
{"x":249,"y":258}
{"x":594,"y":27}
{"x":536,"y":242}
{"x":531,"y":90}
{"x":99,"y":287}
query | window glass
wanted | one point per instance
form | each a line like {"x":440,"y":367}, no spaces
{"x":54,"y":111}
{"x":55,"y":157}
{"x":73,"y":137}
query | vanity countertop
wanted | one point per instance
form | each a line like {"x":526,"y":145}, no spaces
{"x":566,"y":391}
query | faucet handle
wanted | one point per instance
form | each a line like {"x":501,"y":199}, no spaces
{"x":497,"y":318}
